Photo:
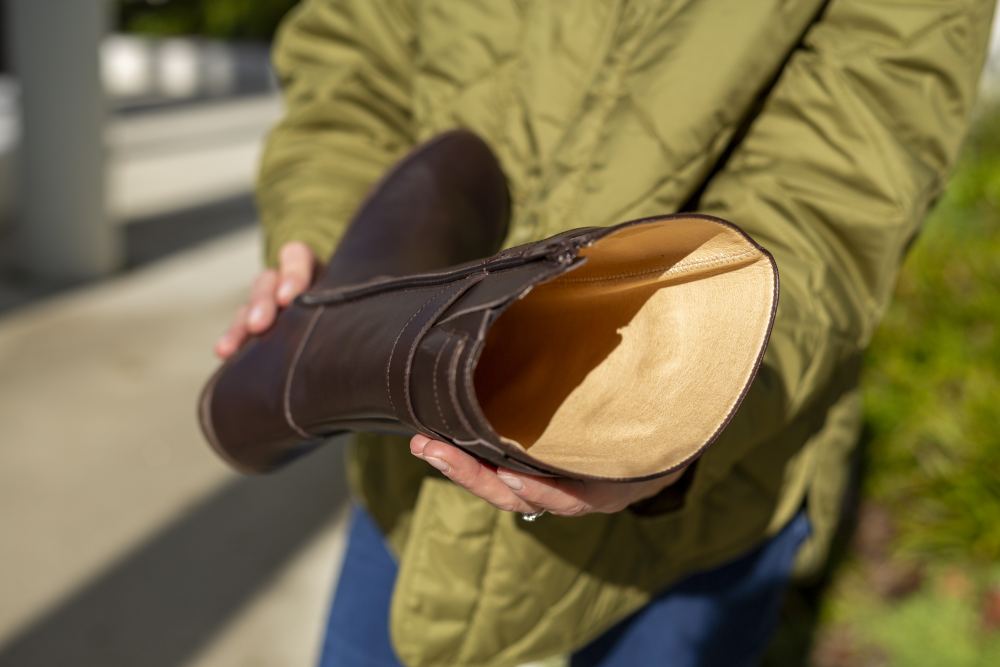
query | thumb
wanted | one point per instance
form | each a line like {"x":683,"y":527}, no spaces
{"x":296,"y":265}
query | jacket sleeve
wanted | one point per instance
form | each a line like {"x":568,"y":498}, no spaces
{"x":345,"y":67}
{"x":851,"y":147}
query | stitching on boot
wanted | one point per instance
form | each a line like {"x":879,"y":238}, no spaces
{"x":392,"y":352}
{"x":434,"y":382}
{"x":287,"y":398}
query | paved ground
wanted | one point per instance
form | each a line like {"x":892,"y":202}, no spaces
{"x":125,"y":542}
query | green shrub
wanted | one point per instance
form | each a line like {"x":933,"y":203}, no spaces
{"x":223,"y":19}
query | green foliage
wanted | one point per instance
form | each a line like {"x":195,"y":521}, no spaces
{"x":947,"y":628}
{"x":941,"y":624}
{"x":223,"y":19}
{"x":932,"y":384}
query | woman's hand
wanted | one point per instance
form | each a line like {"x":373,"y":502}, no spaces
{"x":517,"y":492}
{"x":272,"y":289}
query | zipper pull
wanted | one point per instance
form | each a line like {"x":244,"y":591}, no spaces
{"x":565,"y":252}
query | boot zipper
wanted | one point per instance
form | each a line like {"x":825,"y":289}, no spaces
{"x":562,"y":253}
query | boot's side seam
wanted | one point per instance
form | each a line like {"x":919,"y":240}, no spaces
{"x":434,"y":381}
{"x":292,"y":368}
{"x":392,"y":351}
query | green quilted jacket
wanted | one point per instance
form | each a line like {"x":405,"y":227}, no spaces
{"x":825,"y":129}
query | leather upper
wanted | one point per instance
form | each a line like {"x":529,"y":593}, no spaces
{"x":445,"y":203}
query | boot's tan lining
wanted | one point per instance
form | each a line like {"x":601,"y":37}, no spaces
{"x":627,"y":365}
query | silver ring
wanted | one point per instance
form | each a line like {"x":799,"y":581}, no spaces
{"x":531,"y":518}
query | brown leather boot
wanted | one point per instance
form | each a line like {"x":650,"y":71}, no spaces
{"x":600,"y":353}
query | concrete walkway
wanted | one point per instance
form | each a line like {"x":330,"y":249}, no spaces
{"x":125,"y":541}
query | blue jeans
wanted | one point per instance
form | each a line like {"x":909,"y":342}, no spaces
{"x":724,"y":616}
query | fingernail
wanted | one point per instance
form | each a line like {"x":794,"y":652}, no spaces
{"x":418,"y":443}
{"x":438,"y":463}
{"x":511,"y":481}
{"x":256,"y":315}
{"x":286,"y":291}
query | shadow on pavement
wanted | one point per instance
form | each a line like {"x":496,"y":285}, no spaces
{"x":158,"y":605}
{"x":145,"y":240}
{"x":155,"y":237}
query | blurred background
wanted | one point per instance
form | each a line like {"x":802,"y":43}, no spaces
{"x":129,"y":136}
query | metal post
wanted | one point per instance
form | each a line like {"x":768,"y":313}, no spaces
{"x":62,"y":223}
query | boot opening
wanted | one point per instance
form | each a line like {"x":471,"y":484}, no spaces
{"x":628,"y":365}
